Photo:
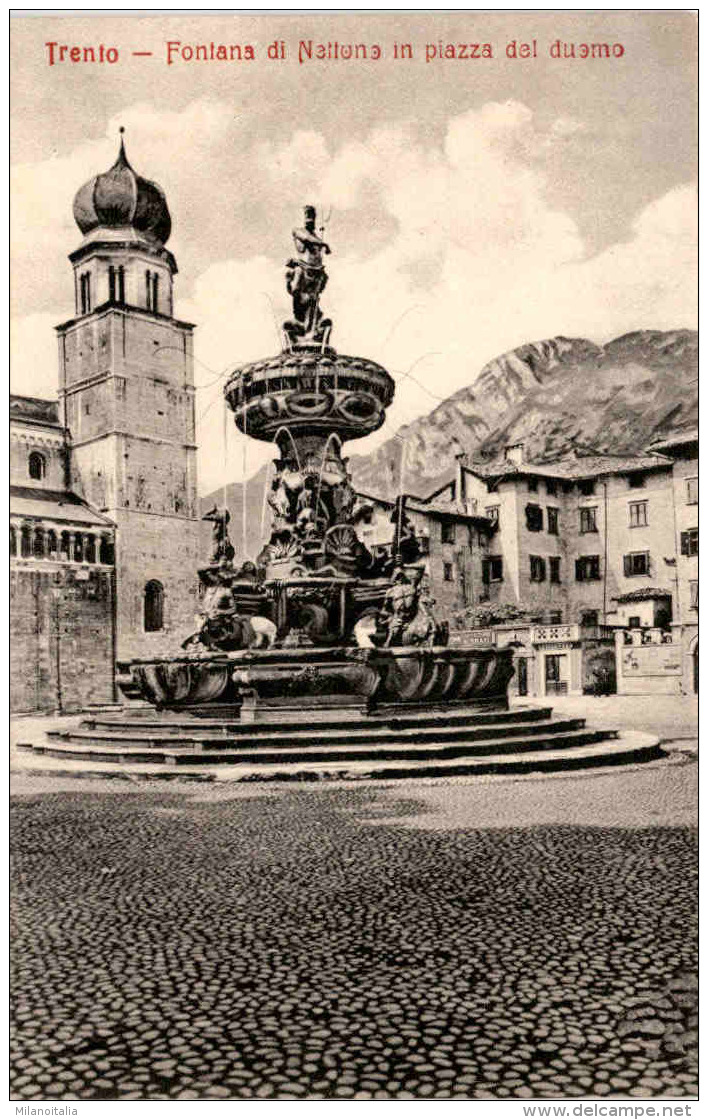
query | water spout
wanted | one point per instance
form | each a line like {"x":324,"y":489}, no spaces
{"x":284,"y":428}
{"x":330,"y":437}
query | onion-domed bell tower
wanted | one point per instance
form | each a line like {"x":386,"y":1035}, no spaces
{"x":127,"y":394}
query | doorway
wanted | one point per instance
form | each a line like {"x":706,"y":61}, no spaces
{"x":522,"y":675}
{"x":556,"y":674}
{"x":694,"y":658}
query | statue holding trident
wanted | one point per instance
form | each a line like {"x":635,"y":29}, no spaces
{"x":306,"y":279}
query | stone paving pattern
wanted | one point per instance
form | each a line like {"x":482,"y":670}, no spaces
{"x":175,"y":942}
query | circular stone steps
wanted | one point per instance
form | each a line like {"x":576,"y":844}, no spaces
{"x":424,"y":743}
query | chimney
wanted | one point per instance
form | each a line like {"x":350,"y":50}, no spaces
{"x":460,"y":480}
{"x":514,"y":453}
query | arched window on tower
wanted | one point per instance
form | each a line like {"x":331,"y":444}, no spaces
{"x":152,"y":286}
{"x":38,"y":543}
{"x":13,"y":541}
{"x":37,"y":466}
{"x":85,"y":286}
{"x":153,"y":609}
{"x":25,"y":541}
{"x":116,"y":283}
{"x":51,"y":544}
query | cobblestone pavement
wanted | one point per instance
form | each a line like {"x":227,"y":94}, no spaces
{"x":183,"y":942}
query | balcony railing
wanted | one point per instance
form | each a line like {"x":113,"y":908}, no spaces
{"x":556,"y":688}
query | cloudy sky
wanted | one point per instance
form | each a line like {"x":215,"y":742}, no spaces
{"x":471,"y":204}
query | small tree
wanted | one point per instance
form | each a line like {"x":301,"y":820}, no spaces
{"x":490,"y":614}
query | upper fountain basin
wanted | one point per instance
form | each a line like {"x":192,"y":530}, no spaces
{"x":309,"y":389}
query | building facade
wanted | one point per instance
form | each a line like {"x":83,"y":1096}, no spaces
{"x":62,"y":573}
{"x":117,"y":452}
{"x":453,"y":543}
{"x":591,"y":547}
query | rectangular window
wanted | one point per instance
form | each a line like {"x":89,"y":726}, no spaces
{"x":551,"y":487}
{"x":447,"y":572}
{"x":636,"y":481}
{"x":538,"y":568}
{"x":637,"y":514}
{"x":636,"y":564}
{"x":448,"y":532}
{"x":121,"y":284}
{"x":691,"y":491}
{"x":148,"y":289}
{"x":534,"y":518}
{"x":588,"y":520}
{"x":635,"y":622}
{"x":589,"y":618}
{"x":587,"y":486}
{"x":533,"y":485}
{"x":492,"y":512}
{"x":555,"y":569}
{"x":552,"y":520}
{"x":693,"y":589}
{"x":492,"y":569}
{"x":587,"y":568}
{"x":689,"y":543}
{"x":111,"y":283}
{"x":155,"y":288}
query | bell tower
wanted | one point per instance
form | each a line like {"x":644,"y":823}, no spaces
{"x":126,"y":388}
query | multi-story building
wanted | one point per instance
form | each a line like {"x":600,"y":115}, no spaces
{"x":587,"y":545}
{"x":115,"y":460}
{"x":62,"y":575}
{"x":682,"y":449}
{"x":454,"y":544}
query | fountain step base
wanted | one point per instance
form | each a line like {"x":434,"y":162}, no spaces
{"x":430,"y":744}
{"x":299,"y":741}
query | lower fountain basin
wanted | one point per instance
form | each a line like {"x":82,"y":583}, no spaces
{"x":405,"y":675}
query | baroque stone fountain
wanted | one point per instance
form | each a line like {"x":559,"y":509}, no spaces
{"x":322,"y":658}
{"x":318,"y":620}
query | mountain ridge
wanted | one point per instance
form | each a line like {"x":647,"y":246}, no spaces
{"x":548,"y":395}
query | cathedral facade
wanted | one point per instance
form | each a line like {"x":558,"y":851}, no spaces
{"x":105,"y":530}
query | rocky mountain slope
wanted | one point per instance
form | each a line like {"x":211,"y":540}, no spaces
{"x":546,"y":395}
{"x":614,"y":398}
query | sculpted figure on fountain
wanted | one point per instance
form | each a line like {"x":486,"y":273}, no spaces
{"x":306,"y":279}
{"x":223,"y":550}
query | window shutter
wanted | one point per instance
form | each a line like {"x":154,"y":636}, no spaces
{"x":684,"y":544}
{"x":595,"y":567}
{"x":628,"y":565}
{"x":485,"y":571}
{"x":542,"y":570}
{"x":578,"y":569}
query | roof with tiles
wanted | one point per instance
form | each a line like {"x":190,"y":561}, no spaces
{"x":34,"y":410}
{"x":642,"y":594}
{"x":571,"y":468}
{"x":57,"y":505}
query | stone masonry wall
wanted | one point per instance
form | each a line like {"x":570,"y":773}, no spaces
{"x":61,"y":639}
